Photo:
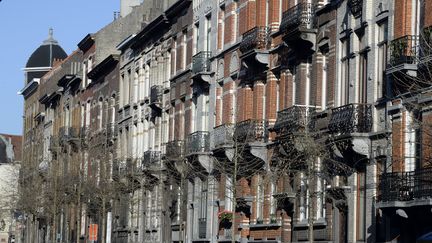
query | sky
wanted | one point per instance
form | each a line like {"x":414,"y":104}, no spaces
{"x":24,"y":26}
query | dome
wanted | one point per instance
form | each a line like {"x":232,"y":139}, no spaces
{"x":46,"y":53}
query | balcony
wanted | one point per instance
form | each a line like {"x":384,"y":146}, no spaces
{"x":298,"y":25}
{"x":256,"y":38}
{"x":202,"y":228}
{"x":68,"y":134}
{"x":197,"y":143}
{"x":201,"y":62}
{"x":156,"y":92}
{"x":175,"y":150}
{"x":406,"y":186}
{"x":251,"y":131}
{"x":223,"y":135}
{"x":201,"y":67}
{"x":151,"y":158}
{"x":356,"y":7}
{"x":294,"y":119}
{"x":403,"y":54}
{"x":351,"y":118}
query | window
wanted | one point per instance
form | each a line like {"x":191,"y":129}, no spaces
{"x":196,"y":38}
{"x":89,"y":68}
{"x":361,"y":205}
{"x":203,"y":206}
{"x":362,"y":87}
{"x":221,"y":31}
{"x":229,"y":194}
{"x":208,"y":33}
{"x":100,"y":116}
{"x":184,"y":49}
{"x":303,"y":199}
{"x":130,"y":87}
{"x":260,"y":200}
{"x":345,"y":72}
{"x":382,"y":59}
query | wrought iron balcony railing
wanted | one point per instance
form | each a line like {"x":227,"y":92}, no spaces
{"x":251,"y":130}
{"x":293,"y":119}
{"x":67,"y":133}
{"x":156,"y":94}
{"x":351,"y":118}
{"x":223,"y":135}
{"x":406,"y":186}
{"x":201,"y":62}
{"x":151,"y":158}
{"x":256,"y":38}
{"x":202,"y":227}
{"x":356,"y":7}
{"x":175,"y":149}
{"x":198,"y":142}
{"x":404,"y":50}
{"x":299,"y":16}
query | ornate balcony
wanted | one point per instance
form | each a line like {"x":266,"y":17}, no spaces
{"x":292,"y":120}
{"x":198,"y":142}
{"x":223,"y":135}
{"x":201,"y":62}
{"x":68,"y":134}
{"x":298,"y":24}
{"x":202,"y":228}
{"x":201,"y":67}
{"x":150,"y":158}
{"x":156,"y":92}
{"x":175,"y":149}
{"x":256,"y":38}
{"x":299,"y":16}
{"x":406,"y":186}
{"x":251,"y":130}
{"x":356,"y":7}
{"x":351,"y":118}
{"x":404,"y":50}
{"x":403,"y":53}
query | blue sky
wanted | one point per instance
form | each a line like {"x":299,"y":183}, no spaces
{"x":24,"y":25}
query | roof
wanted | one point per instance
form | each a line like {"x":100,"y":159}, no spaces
{"x":46,"y":53}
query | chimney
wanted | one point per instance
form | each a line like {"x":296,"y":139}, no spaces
{"x":126,"y":6}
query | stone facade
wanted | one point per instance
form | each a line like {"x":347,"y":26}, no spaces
{"x":241,"y":121}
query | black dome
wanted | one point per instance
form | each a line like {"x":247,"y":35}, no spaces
{"x":46,"y":53}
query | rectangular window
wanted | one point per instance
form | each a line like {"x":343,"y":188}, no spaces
{"x":204,"y":190}
{"x":184,"y":50}
{"x":196,"y":38}
{"x":362,"y":87}
{"x":345,"y":72}
{"x":208,"y":33}
{"x":382,"y":59}
{"x":260,"y":201}
{"x":361,"y":205}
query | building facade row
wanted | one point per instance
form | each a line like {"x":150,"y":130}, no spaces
{"x":235,"y":121}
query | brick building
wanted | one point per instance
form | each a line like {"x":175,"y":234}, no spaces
{"x":239,"y":120}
